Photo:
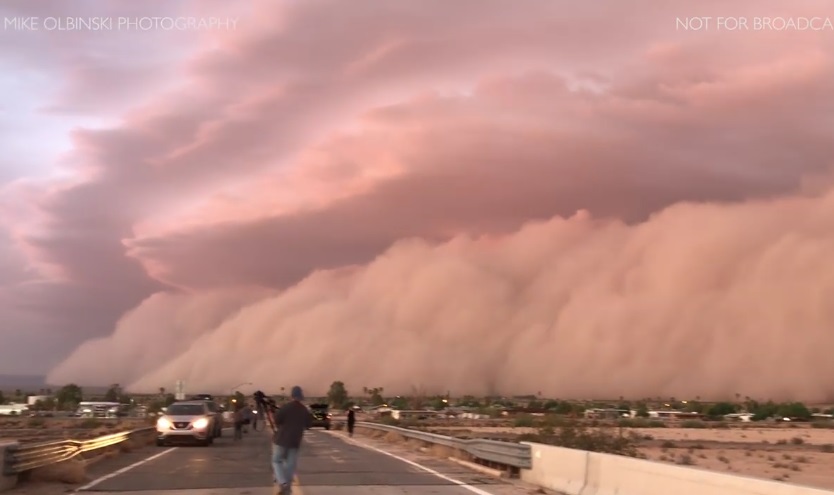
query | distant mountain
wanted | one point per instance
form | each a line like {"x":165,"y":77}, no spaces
{"x":23,"y":382}
{"x":34,"y":383}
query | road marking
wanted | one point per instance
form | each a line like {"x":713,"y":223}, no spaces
{"x":414,"y":464}
{"x":123,"y":470}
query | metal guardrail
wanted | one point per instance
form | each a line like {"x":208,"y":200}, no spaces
{"x":505,"y":453}
{"x":26,"y":457}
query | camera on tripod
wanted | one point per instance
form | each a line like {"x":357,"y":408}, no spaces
{"x":267,"y":405}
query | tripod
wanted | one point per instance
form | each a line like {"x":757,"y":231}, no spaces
{"x":268,"y":407}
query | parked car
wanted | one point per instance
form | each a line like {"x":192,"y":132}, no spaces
{"x":321,"y":415}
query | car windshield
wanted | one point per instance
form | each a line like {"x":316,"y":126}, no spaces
{"x":185,"y":409}
{"x":318,"y":406}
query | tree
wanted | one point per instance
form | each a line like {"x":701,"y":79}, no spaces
{"x":114,"y":393}
{"x":69,"y":396}
{"x":794,"y":410}
{"x":2,"y":398}
{"x":400,"y":402}
{"x":48,"y":404}
{"x":376,"y":395}
{"x":337,"y":395}
{"x":564,"y":408}
{"x":642,"y":410}
{"x":764,"y":411}
{"x":721,"y":409}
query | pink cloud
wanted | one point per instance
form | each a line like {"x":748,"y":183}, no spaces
{"x":314,"y":138}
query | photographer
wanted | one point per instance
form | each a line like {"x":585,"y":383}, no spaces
{"x":289,"y":424}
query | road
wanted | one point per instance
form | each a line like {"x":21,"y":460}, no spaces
{"x":330,"y":464}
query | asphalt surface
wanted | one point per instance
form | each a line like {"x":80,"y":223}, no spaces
{"x":329,"y":464}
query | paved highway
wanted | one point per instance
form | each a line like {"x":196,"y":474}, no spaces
{"x":330,"y":464}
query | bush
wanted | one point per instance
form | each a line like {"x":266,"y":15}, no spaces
{"x":524,"y":421}
{"x":693,"y":423}
{"x":36,"y":423}
{"x":579,"y":437}
{"x":554,"y":421}
{"x":90,"y":423}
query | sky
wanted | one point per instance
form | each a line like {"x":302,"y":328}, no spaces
{"x":480,"y":196}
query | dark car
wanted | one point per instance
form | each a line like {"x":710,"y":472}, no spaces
{"x":321,"y":415}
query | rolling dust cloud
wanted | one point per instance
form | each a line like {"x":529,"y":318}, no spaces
{"x":702,"y":300}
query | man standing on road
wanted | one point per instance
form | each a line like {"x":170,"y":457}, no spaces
{"x":351,"y":420}
{"x":291,"y":421}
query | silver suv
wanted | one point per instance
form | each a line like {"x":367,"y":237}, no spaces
{"x":187,"y":420}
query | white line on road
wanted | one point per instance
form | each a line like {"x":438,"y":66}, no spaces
{"x":412,"y":463}
{"x":123,"y":470}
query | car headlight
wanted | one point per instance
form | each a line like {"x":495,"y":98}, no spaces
{"x":163,"y":424}
{"x":201,"y":423}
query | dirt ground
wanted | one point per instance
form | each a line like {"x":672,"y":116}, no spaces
{"x":799,"y":454}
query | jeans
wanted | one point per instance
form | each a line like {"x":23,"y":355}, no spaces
{"x":284,"y":461}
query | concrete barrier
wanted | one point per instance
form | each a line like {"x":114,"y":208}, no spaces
{"x":576,"y":472}
{"x":6,"y":482}
{"x":557,"y":468}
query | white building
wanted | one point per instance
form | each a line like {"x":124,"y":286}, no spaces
{"x":32,"y":399}
{"x":13,"y":409}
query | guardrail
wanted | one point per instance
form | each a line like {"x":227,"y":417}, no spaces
{"x":30,"y":456}
{"x":505,"y":453}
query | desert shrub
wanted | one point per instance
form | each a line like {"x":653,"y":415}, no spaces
{"x":524,"y":421}
{"x":90,"y":423}
{"x":598,"y":440}
{"x":36,"y":423}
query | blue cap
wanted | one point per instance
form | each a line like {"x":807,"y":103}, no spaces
{"x":297,"y":393}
